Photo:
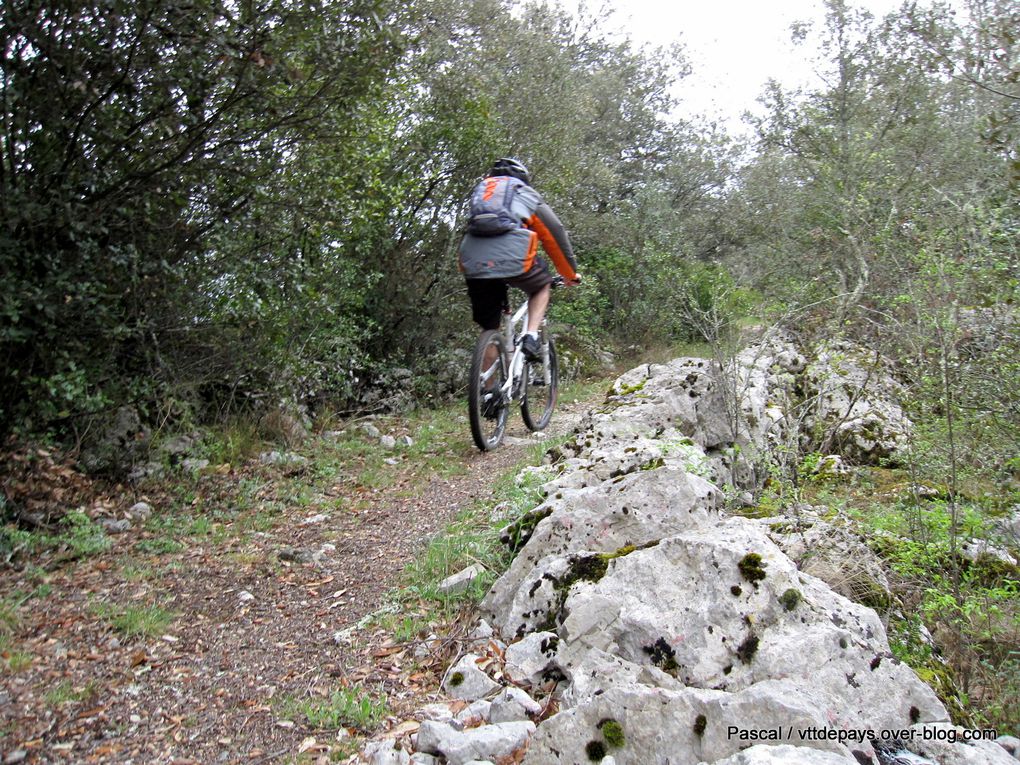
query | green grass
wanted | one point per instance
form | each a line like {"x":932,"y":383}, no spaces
{"x":160,"y":546}
{"x":346,"y":708}
{"x":64,"y":692}
{"x":973,"y":607}
{"x":134,"y":621}
{"x":18,"y":661}
{"x":10,"y":621}
{"x":78,"y":534}
{"x":473,"y":537}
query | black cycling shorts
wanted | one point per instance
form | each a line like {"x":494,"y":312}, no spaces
{"x":489,"y":297}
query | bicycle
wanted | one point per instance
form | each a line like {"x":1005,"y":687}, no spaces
{"x":499,"y":378}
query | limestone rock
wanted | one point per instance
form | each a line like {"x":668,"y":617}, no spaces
{"x":476,"y":713}
{"x":761,"y":754}
{"x":730,"y":610}
{"x":460,"y":581}
{"x":855,"y":404}
{"x":834,"y":555}
{"x":466,"y":681}
{"x":140,"y":511}
{"x":528,"y":660}
{"x":385,"y":752}
{"x":631,"y":511}
{"x":513,"y":704}
{"x":1011,"y":744}
{"x":944,"y":744}
{"x":488,"y":742}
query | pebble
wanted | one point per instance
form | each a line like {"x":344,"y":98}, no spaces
{"x":112,"y":526}
{"x":140,"y":511}
{"x":245,"y":597}
{"x":296,"y":556}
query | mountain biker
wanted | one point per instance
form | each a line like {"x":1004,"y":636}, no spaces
{"x":508,"y":219}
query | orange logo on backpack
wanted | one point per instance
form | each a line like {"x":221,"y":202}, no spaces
{"x":490,"y":189}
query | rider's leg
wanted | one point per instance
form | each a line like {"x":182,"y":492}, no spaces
{"x":537,"y":305}
{"x":491,"y":352}
{"x":489,"y":299}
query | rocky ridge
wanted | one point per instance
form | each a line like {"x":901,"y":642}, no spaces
{"x":675,"y":632}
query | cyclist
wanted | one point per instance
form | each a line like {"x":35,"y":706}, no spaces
{"x":507,"y":221}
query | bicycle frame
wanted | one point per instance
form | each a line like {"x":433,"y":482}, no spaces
{"x":501,"y":374}
{"x":515,"y":362}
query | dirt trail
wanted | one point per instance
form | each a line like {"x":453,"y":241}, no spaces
{"x":255,"y":633}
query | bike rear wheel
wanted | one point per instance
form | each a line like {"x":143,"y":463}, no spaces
{"x":488,"y":416}
{"x":541,"y":387}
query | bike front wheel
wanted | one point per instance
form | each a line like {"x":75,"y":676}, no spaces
{"x":541,"y":386}
{"x":487,"y":409}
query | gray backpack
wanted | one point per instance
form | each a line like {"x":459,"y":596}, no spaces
{"x":490,"y":213}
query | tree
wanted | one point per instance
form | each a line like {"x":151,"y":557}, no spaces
{"x":134,"y":133}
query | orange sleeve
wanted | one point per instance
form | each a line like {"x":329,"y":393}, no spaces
{"x":552,"y":247}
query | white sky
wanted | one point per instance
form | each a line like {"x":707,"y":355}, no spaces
{"x":733,"y":46}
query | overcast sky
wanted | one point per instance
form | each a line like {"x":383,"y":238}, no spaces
{"x":734,"y":46}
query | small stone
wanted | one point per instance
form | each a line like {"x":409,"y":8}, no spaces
{"x":528,"y":659}
{"x":371,"y":430}
{"x":140,"y":511}
{"x":287,"y":460}
{"x":391,"y":461}
{"x":501,"y":741}
{"x":466,"y":681}
{"x":315,"y":519}
{"x":406,"y":441}
{"x":112,"y":526}
{"x":388,"y":442}
{"x":436,"y":713}
{"x":461,"y":581}
{"x":194,"y":465}
{"x":420,"y":758}
{"x":18,"y":755}
{"x":385,"y":752}
{"x":135,"y":719}
{"x":291,"y":555}
{"x":245,"y":597}
{"x":475,"y":714}
{"x":483,"y":631}
{"x":1011,"y":744}
{"x":513,"y":704}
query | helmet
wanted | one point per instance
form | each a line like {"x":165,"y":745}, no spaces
{"x":511,"y":167}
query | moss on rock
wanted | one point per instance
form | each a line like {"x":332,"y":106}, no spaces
{"x":752,"y":567}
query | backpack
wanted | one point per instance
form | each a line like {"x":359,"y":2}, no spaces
{"x":490,"y":213}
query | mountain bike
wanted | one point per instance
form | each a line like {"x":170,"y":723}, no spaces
{"x":501,"y":375}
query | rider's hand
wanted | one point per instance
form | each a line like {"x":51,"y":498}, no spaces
{"x":575,"y":281}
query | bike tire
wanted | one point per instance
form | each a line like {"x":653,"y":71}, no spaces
{"x":540,"y":393}
{"x":487,"y":432}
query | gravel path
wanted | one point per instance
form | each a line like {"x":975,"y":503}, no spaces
{"x":254,"y":634}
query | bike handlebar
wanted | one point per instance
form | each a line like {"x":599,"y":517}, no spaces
{"x":559,"y":281}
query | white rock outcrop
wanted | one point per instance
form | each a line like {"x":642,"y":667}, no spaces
{"x":678,"y":633}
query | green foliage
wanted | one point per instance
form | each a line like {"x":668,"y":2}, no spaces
{"x":134,"y":621}
{"x":83,"y":535}
{"x":78,"y":535}
{"x":138,"y":136}
{"x":347,"y":707}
